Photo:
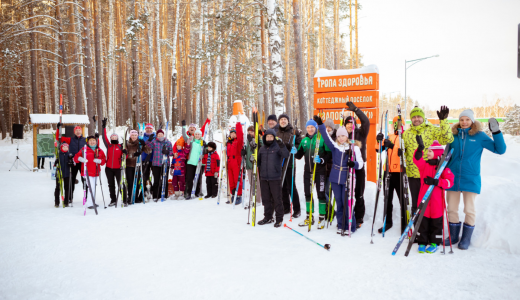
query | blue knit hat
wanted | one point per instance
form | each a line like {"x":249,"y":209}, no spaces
{"x":312,"y":123}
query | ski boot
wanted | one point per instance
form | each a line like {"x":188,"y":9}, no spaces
{"x":321,"y":222}
{"x":239,"y":200}
{"x":388,"y":226}
{"x":125,"y":205}
{"x":297,"y":214}
{"x":422,"y":248}
{"x":431,"y":249}
{"x":265,"y":221}
{"x":306,"y":222}
{"x":278,"y":224}
{"x":232,"y":199}
{"x":112,"y":203}
{"x":207,"y":196}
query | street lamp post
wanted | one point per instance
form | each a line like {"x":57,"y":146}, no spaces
{"x":406,"y":67}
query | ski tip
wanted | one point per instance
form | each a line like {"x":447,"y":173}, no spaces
{"x":327,"y":247}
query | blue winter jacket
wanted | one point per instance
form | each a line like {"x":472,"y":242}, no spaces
{"x":467,"y":146}
{"x":145,"y":138}
{"x":340,"y":158}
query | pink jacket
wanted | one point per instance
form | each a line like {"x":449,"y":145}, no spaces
{"x":435,"y":207}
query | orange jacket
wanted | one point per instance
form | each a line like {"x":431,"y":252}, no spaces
{"x":395,"y":160}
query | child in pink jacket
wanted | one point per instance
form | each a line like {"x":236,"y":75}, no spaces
{"x":430,"y":229}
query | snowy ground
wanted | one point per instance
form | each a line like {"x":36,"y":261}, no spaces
{"x":198,"y":250}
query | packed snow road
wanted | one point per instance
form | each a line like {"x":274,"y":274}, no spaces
{"x":198,"y":250}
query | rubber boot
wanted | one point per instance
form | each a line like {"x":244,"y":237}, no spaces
{"x":239,"y":200}
{"x":454,"y":233}
{"x":467,"y":231}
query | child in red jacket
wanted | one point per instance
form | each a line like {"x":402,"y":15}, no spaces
{"x":178,"y":168}
{"x":211,"y":162}
{"x":430,"y":229}
{"x":93,"y":160}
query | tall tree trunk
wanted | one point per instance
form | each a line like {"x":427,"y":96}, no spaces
{"x":99,"y":66}
{"x":288,"y":105}
{"x":65,"y":60}
{"x":174,"y":100}
{"x":88,"y":64}
{"x":111,"y":75}
{"x":267,"y":106}
{"x":302,"y":101}
{"x":336,"y":34}
{"x":79,"y":105}
{"x":160,"y":86}
{"x":276,"y":59}
{"x":34,"y":64}
{"x":209,"y":96}
{"x":198,"y":71}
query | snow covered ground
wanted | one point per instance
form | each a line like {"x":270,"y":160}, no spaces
{"x":198,"y":250}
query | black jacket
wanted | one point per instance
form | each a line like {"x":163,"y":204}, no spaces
{"x":76,"y":144}
{"x":64,"y":163}
{"x":286,"y":135}
{"x":270,"y":159}
{"x":361,"y":133}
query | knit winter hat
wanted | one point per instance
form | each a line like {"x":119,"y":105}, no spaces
{"x":342,"y":131}
{"x":77,"y":127}
{"x":212,"y":145}
{"x":312,"y":123}
{"x":160,"y":131}
{"x":64,"y":145}
{"x":349,"y":119}
{"x":437,"y":149}
{"x":91,"y":137}
{"x":198,"y":131}
{"x":114,"y":134}
{"x":284,"y":116}
{"x":233,"y":129}
{"x":272,"y":118}
{"x":417,"y":111}
{"x":468,"y":113}
{"x":133,"y":131}
{"x":149,"y":125}
{"x":193,"y":125}
{"x":330,"y":123}
{"x":180,"y":142}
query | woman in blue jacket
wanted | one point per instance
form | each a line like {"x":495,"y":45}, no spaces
{"x":468,"y":144}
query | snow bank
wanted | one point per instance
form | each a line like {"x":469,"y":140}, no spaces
{"x":363,"y":70}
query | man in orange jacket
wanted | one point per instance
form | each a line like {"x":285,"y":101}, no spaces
{"x":394,"y":153}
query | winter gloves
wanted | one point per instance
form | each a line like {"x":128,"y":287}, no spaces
{"x":431,"y":181}
{"x":104,"y":123}
{"x":280,"y":142}
{"x":493,"y":126}
{"x":318,"y":120}
{"x":215,"y":175}
{"x":183,"y":122}
{"x":97,"y":160}
{"x":151,"y":137}
{"x":388,"y":144}
{"x":124,"y":151}
{"x":252,"y":144}
{"x":137,"y":153}
{"x":165,"y":151}
{"x":293,"y":150}
{"x":351,"y":106}
{"x":380,"y":137}
{"x":420,"y":149}
{"x":317,"y":158}
{"x":351,"y":164}
{"x":82,"y":159}
{"x":443,"y":114}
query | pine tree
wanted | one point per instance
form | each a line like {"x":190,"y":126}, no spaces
{"x":512,"y":123}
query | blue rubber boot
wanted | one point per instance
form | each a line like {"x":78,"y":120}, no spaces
{"x":467,"y":231}
{"x":454,"y":233}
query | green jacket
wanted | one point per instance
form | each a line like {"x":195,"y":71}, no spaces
{"x":307,"y":149}
{"x":429,"y":133}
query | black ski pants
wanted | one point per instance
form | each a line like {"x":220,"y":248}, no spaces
{"x":286,"y":192}
{"x":74,"y":170}
{"x":319,"y":184}
{"x":394,"y":184}
{"x":359,"y":190}
{"x":113,"y":178}
{"x":130,"y":173}
{"x":212,"y":186}
{"x":190,"y":176}
{"x":57,"y":191}
{"x":272,"y":198}
{"x":158,"y":179}
{"x":415,"y":187}
{"x":430,"y":231}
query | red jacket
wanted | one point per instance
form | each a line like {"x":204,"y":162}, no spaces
{"x":214,"y":166}
{"x":93,"y":168}
{"x":64,"y":139}
{"x":435,"y":207}
{"x":114,"y":152}
{"x":234,"y":147}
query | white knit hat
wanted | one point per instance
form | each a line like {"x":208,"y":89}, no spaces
{"x":468,"y":113}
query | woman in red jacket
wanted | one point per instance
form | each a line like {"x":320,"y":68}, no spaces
{"x":114,"y":157}
{"x":93,"y":158}
{"x":430,"y":229}
{"x":234,"y":147}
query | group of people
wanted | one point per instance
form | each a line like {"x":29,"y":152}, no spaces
{"x":330,"y":154}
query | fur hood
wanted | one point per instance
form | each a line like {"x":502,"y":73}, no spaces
{"x":475,"y":128}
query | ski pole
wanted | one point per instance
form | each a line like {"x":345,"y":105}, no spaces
{"x":449,"y":233}
{"x":101,"y":187}
{"x":326,"y":247}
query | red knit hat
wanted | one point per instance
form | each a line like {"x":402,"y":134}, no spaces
{"x":63,"y":145}
{"x":437,"y":149}
{"x":77,"y":127}
{"x":149,"y":125}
